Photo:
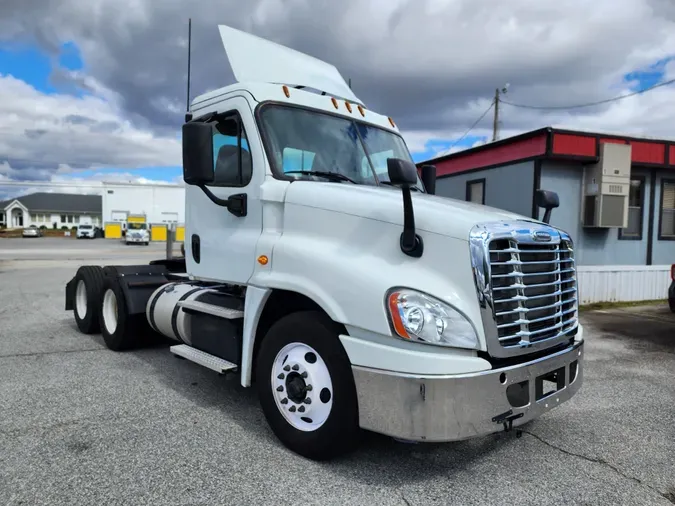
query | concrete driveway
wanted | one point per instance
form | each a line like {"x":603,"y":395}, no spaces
{"x":82,"y":425}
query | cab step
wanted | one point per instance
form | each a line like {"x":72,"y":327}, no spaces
{"x":202,"y":358}
{"x":204,"y":307}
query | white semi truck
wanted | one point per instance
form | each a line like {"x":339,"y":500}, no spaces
{"x":322,"y":268}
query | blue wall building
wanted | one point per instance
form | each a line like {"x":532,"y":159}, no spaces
{"x":506,"y":174}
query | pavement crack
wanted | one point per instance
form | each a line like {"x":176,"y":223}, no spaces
{"x":596,"y":460}
{"x":404,"y":498}
{"x":56,"y":352}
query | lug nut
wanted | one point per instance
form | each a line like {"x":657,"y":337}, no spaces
{"x":284,"y":401}
{"x":307,"y":400}
{"x":281,"y":376}
{"x":296,"y":367}
{"x":280,"y":388}
{"x":292,"y":409}
{"x":301,"y":409}
{"x":304,"y":374}
{"x":287,"y":368}
{"x":308,"y":388}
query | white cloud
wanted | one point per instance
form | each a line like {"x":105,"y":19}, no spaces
{"x":432,"y":65}
{"x":47,"y":132}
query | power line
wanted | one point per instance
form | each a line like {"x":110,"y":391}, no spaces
{"x":472,"y":126}
{"x":589,"y":104}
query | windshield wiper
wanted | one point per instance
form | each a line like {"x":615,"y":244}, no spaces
{"x":389,"y":183}
{"x":335,"y":176}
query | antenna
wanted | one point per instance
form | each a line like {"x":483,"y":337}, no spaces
{"x":187,"y":107}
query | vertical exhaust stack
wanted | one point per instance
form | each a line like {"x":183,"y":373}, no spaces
{"x":188,"y":116}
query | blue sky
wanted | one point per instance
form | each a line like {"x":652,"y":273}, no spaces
{"x":34,"y":66}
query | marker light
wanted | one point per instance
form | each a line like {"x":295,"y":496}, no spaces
{"x":391,"y":121}
{"x":361,"y":111}
{"x":286,"y":91}
{"x":349,"y":106}
{"x":334,"y":102}
{"x":262,"y":259}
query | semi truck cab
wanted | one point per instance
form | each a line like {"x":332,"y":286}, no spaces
{"x":320,"y":267}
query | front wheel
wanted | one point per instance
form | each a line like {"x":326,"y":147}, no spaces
{"x":306,"y":387}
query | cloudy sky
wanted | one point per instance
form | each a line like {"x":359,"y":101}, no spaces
{"x":96,"y":89}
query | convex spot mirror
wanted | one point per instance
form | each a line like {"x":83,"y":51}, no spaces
{"x":401,"y":172}
{"x":547,"y":199}
{"x":198,"y":166}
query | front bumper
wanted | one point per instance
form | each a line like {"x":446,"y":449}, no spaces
{"x":454,"y":407}
{"x":137,"y":239}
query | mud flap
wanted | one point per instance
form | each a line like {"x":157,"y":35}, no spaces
{"x":70,"y":294}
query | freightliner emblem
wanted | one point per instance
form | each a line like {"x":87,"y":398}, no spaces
{"x":541,"y":236}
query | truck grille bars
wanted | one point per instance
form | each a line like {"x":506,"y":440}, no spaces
{"x":526,"y":281}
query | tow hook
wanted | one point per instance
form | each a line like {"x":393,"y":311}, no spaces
{"x":506,"y":419}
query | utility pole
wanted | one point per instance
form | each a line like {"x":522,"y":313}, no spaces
{"x":495,"y":121}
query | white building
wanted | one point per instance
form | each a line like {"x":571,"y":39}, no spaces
{"x":50,"y":210}
{"x":159,"y":203}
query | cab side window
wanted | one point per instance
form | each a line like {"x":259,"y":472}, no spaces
{"x":231,"y":153}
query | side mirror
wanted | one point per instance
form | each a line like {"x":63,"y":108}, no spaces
{"x":548,"y":200}
{"x":401,"y":172}
{"x":198,"y":166}
{"x":429,"y":178}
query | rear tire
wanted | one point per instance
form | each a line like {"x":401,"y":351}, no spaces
{"x":301,"y":359}
{"x":87,"y":298}
{"x":120,"y":330}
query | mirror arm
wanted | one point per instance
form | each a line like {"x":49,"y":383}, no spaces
{"x":411,"y":243}
{"x":236,"y":204}
{"x":547,"y":215}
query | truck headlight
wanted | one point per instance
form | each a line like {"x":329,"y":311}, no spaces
{"x":418,"y":317}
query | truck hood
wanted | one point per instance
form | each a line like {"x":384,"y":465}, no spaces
{"x":439,"y":215}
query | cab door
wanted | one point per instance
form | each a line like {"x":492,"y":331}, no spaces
{"x":220,"y":245}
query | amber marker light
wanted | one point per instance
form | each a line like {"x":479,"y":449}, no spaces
{"x":286,"y":91}
{"x":361,"y":111}
{"x":349,"y":106}
{"x":391,"y":121}
{"x":396,"y":316}
{"x":334,"y":102}
{"x":263,"y":260}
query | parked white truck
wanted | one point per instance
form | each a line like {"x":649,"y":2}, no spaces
{"x":319,"y":266}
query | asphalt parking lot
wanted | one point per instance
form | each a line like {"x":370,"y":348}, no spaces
{"x":82,"y":425}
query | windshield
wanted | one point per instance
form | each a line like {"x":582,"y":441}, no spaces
{"x":85,"y":227}
{"x":137,"y":226}
{"x":302,"y":140}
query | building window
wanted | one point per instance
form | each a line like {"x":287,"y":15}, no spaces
{"x":636,"y":197}
{"x":475,"y":191}
{"x":63,"y":218}
{"x":667,"y":218}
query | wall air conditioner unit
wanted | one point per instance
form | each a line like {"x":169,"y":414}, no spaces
{"x":606,"y":186}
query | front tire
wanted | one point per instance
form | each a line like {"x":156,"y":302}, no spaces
{"x":306,"y":387}
{"x":87,"y":298}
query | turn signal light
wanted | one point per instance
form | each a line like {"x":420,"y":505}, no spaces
{"x":262,"y":259}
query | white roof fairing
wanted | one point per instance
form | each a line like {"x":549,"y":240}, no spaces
{"x":254,"y":59}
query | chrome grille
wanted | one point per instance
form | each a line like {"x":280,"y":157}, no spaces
{"x":534,"y":291}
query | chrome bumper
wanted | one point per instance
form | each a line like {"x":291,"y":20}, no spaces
{"x":454,"y":407}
